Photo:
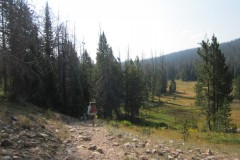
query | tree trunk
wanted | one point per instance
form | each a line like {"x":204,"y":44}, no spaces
{"x":209,"y":108}
{"x":5,"y":88}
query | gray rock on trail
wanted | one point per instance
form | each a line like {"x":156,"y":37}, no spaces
{"x":198,"y":150}
{"x":30,"y":144}
{"x":161,"y":153}
{"x":115,"y":144}
{"x":161,"y":145}
{"x":170,"y":157}
{"x":43,"y":135}
{"x":132,"y":156}
{"x":119,"y":135}
{"x":111,"y":138}
{"x":166,"y":149}
{"x":141,"y":145}
{"x":209,"y":152}
{"x":179,"y":151}
{"x":154,"y":151}
{"x":13,"y":118}
{"x":6,"y":143}
{"x":211,"y":158}
{"x":17,"y":158}
{"x":100,"y":150}
{"x":72,"y":130}
{"x":6,"y":158}
{"x":85,"y":138}
{"x":95,"y":154}
{"x":92,"y":147}
{"x":4,"y":135}
{"x":142,"y":157}
{"x":195,"y":158}
{"x":127,"y":145}
{"x":81,"y":146}
{"x":135,"y":140}
{"x":148,"y":151}
{"x":68,"y":141}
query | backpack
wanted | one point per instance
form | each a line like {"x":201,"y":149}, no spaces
{"x":93,"y":109}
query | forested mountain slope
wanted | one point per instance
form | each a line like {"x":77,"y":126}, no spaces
{"x":181,"y":65}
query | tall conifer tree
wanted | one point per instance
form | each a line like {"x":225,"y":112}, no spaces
{"x":134,"y":87}
{"x":107,"y":88}
{"x":214,"y":86}
{"x":50,"y":70}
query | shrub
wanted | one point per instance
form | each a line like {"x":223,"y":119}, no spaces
{"x":114,"y":124}
{"x":25,"y":122}
{"x":49,"y":113}
{"x":185,"y":129}
{"x":126,"y":123}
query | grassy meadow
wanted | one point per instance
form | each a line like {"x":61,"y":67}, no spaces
{"x":172,"y":110}
{"x":165,"y":118}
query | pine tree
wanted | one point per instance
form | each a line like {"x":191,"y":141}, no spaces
{"x":23,"y":51}
{"x":86,"y":67}
{"x":107,"y":87}
{"x":3,"y":48}
{"x":49,"y":76}
{"x":163,"y":76}
{"x":153,"y":79}
{"x":172,"y":86}
{"x":214,"y":85}
{"x":134,"y":87}
{"x":48,"y":33}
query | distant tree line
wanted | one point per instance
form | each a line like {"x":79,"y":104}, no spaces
{"x":182,"y":64}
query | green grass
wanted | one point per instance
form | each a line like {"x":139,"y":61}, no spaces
{"x":223,"y":138}
{"x":172,"y":110}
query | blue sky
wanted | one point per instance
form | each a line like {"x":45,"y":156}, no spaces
{"x":148,"y":27}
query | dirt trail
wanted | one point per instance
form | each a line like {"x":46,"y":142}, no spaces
{"x":24,"y":137}
{"x":99,"y":143}
{"x":89,"y":142}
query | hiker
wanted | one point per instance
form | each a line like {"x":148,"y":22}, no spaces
{"x":84,"y":117}
{"x":92,"y":111}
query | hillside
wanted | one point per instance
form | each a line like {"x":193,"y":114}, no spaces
{"x":28,"y":132}
{"x":183,"y":61}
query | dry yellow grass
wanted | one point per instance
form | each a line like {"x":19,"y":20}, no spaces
{"x":185,"y":97}
{"x":187,"y":88}
{"x":182,"y":104}
{"x":235,"y":114}
{"x":184,"y":94}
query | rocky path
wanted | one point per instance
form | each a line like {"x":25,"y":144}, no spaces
{"x":88,"y":143}
{"x":84,"y":142}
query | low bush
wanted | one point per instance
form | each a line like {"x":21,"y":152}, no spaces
{"x":114,"y":124}
{"x":126,"y":123}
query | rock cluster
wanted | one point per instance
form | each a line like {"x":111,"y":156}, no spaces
{"x":20,"y":141}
